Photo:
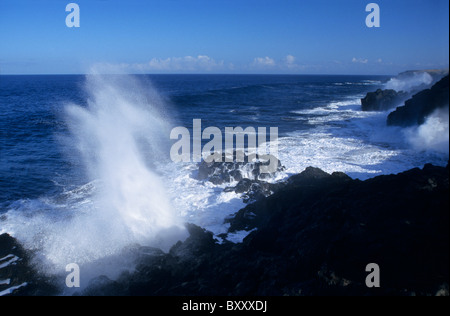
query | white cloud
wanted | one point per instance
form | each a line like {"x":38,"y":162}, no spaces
{"x":291,"y":65}
{"x":206,"y":64}
{"x":187,"y":64}
{"x":264,"y":61}
{"x":287,"y":64}
{"x":360,"y":60}
{"x":182,"y":64}
{"x":290,"y":60}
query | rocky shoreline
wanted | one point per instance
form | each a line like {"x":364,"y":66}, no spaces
{"x":421,"y":105}
{"x":252,"y":184}
{"x":313,"y":236}
{"x":409,"y":108}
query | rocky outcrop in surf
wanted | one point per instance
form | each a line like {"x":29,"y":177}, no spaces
{"x":383,"y":100}
{"x":314,"y":237}
{"x":253,"y":190}
{"x":421,"y":105}
{"x":252,"y":182}
{"x":224,"y":171}
{"x":401,"y":88}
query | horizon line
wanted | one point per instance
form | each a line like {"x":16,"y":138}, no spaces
{"x":197,"y":74}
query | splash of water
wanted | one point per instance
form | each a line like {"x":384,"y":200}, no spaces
{"x":409,"y":82}
{"x":118,"y":136}
{"x":433,"y":134}
{"x":113,"y":133}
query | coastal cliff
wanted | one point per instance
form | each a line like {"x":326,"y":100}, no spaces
{"x":401,"y":88}
{"x":421,"y":105}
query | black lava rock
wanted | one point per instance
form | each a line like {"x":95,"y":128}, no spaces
{"x":226,"y":172}
{"x":253,"y":190}
{"x":315,"y":237}
{"x":421,"y":105}
{"x":383,"y":100}
{"x":18,"y":276}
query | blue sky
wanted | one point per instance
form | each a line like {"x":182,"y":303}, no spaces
{"x":223,"y":36}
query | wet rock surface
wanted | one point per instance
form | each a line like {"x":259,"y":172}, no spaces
{"x":383,"y":100}
{"x":225,"y":171}
{"x":252,"y":182}
{"x":17,"y":275}
{"x":421,"y":105}
{"x":315,"y":237}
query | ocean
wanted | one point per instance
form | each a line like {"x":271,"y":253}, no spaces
{"x":85,"y":166}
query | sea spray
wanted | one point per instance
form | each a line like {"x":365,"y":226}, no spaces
{"x":118,"y":135}
{"x":112,"y":134}
{"x":433,"y":134}
{"x":409,"y":82}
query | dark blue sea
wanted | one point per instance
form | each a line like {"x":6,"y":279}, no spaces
{"x":84,"y":160}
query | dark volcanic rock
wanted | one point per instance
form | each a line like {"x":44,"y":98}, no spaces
{"x":253,"y":190}
{"x":226,"y":172}
{"x":420,"y":106}
{"x":306,"y":186}
{"x":18,"y":277}
{"x":382,"y":100}
{"x":248,"y":172}
{"x":315,"y":237}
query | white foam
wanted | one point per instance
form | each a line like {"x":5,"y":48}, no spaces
{"x":7,"y":257}
{"x":362,"y":83}
{"x":238,"y":237}
{"x":200,"y":202}
{"x":333,"y":112}
{"x":5,"y":282}
{"x":349,"y":102}
{"x":10,"y":260}
{"x":331,"y":153}
{"x":360,"y":143}
{"x":12,"y":289}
